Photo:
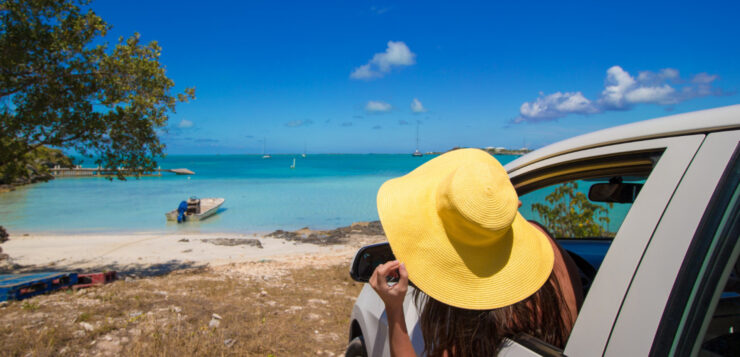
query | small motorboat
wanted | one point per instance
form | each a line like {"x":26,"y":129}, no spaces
{"x":195,"y":209}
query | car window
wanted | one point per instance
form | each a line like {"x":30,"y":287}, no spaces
{"x":558,"y":199}
{"x":566,"y":210}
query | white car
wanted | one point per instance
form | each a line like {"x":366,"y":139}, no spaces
{"x":664,"y":265}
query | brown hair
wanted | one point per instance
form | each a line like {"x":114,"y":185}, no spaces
{"x":463,"y":332}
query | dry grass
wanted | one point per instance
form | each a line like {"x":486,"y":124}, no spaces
{"x":303,"y":312}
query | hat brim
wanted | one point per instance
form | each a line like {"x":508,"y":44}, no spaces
{"x":460,"y":275}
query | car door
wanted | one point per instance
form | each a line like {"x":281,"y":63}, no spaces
{"x":694,"y":238}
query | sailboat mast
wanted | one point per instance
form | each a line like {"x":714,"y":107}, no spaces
{"x":417,"y":135}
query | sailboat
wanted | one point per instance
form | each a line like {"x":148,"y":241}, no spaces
{"x":304,"y":150}
{"x":417,"y":153}
{"x":293,"y":165}
{"x":264,"y":155}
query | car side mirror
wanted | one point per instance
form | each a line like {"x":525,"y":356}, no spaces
{"x":369,"y":257}
{"x":614,"y":192}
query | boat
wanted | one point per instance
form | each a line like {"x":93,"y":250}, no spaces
{"x":293,"y":165}
{"x":195,"y":209}
{"x":417,"y":153}
{"x":264,"y":155}
{"x":304,"y":150}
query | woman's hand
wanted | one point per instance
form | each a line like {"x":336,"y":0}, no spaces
{"x":392,"y":295}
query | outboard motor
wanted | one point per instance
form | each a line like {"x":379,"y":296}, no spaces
{"x":181,"y":211}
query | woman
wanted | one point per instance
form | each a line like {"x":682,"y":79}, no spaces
{"x":482,"y":271}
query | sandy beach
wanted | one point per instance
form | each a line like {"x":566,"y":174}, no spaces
{"x":158,"y":253}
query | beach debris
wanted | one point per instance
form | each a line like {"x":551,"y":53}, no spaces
{"x":187,"y":251}
{"x":230,"y":242}
{"x":184,"y":240}
{"x":216,"y":316}
{"x":214,"y":323}
{"x":263,"y":293}
{"x":229,"y":342}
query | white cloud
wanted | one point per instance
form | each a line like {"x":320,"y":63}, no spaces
{"x":621,"y":91}
{"x":396,"y":55}
{"x":555,"y":105}
{"x":377,"y":107}
{"x":416,"y":106}
{"x":184,"y":124}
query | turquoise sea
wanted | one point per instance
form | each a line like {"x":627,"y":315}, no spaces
{"x":323,"y":191}
{"x":262,"y":195}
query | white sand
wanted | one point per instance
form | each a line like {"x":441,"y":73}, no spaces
{"x":141,"y":250}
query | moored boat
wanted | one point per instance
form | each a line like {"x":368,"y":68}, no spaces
{"x":195,"y":209}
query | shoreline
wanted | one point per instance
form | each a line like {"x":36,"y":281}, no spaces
{"x":147,"y":253}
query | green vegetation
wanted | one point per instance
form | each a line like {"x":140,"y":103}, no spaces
{"x":62,"y":86}
{"x":569,"y":214}
{"x":33,"y":166}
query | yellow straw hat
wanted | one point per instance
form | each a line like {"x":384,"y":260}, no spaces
{"x":454,"y":223}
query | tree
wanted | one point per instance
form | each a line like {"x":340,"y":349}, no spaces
{"x":570,"y":214}
{"x":62,"y":86}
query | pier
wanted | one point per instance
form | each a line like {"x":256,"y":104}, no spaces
{"x":78,"y":171}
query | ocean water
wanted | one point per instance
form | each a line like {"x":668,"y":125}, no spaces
{"x":323,"y":191}
{"x":262,"y":195}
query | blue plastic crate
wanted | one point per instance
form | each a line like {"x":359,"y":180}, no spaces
{"x":22,"y":286}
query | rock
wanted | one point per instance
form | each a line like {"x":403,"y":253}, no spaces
{"x":79,"y":334}
{"x":175,"y":309}
{"x":312,"y":316}
{"x":317,"y":301}
{"x":229,"y":342}
{"x":293,"y":309}
{"x":263,"y":293}
{"x":88,"y":327}
{"x":3,"y":303}
{"x":230,"y":242}
{"x":187,"y":250}
{"x":214,"y":323}
{"x":184,"y":240}
{"x":331,"y":237}
{"x":3,"y":235}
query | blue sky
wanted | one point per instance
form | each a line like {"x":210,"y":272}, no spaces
{"x":356,"y":76}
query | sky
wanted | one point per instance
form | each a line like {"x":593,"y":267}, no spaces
{"x":360,"y":76}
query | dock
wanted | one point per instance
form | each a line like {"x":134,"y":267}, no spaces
{"x":78,"y":171}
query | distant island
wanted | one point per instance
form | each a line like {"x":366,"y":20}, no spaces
{"x":490,"y":150}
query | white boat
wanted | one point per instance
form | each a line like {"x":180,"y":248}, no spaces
{"x":293,"y":165}
{"x":264,"y":144}
{"x":197,"y":209}
{"x":417,"y":153}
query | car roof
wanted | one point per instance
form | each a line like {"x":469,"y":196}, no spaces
{"x":702,"y":121}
